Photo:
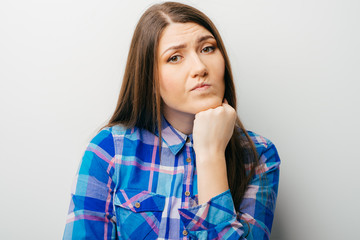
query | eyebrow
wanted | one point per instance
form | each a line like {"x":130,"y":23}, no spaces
{"x":180,"y":46}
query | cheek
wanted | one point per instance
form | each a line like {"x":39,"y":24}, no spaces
{"x":165,"y":82}
{"x":221,"y":73}
{"x":221,"y":67}
{"x":170,"y":85}
{"x":218,"y":67}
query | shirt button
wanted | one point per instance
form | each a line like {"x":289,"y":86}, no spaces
{"x":185,"y":232}
{"x":188,"y":160}
{"x":187,"y":193}
{"x":137,"y":205}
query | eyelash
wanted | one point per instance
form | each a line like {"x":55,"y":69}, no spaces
{"x":172,"y":58}
{"x":211,"y":47}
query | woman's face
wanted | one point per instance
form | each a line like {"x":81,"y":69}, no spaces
{"x":191,"y":69}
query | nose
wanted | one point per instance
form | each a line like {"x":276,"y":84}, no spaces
{"x":198,"y":68}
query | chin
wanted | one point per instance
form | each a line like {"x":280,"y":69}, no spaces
{"x":207,"y":105}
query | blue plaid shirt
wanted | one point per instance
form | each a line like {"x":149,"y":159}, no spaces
{"x":123,"y":191}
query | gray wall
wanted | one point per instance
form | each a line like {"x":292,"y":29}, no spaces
{"x":296,"y":65}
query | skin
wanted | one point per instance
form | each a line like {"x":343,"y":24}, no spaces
{"x":191,"y":79}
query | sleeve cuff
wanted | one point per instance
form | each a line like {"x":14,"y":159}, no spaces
{"x":216,"y":211}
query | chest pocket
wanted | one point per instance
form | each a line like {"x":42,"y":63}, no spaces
{"x":138,"y":213}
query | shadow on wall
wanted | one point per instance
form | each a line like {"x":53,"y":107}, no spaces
{"x":277,"y":232}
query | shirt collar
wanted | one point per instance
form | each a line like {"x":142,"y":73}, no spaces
{"x":173,"y":138}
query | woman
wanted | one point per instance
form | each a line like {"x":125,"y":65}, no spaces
{"x":175,"y":161}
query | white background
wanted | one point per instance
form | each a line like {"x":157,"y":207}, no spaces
{"x":296,"y":65}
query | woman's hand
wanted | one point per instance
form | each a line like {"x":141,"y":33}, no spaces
{"x":212,"y":131}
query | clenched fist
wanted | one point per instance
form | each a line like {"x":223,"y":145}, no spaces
{"x":213,"y":129}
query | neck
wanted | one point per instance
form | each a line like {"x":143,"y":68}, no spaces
{"x":181,"y":121}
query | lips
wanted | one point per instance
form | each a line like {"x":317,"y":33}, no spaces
{"x":200,"y":86}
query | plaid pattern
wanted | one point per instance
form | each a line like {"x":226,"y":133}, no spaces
{"x":122,"y":191}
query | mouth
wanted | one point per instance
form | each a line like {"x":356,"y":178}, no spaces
{"x":200,"y":87}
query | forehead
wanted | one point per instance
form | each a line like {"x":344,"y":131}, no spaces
{"x":181,"y":33}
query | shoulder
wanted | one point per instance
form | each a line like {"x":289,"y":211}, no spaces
{"x":116,"y":131}
{"x":110,"y":137}
{"x":261,"y":143}
{"x":265,"y":148}
{"x":106,"y":137}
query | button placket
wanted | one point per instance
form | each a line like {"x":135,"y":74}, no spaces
{"x":188,"y":174}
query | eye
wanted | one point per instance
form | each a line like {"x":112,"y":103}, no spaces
{"x":174,"y":59}
{"x":208,"y":49}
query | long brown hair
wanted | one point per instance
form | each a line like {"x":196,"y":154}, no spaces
{"x":139,"y":102}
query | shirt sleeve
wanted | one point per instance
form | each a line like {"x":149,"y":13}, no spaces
{"x":91,"y":213}
{"x":217,"y":219}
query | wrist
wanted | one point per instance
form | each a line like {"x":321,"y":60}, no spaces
{"x":212,"y":180}
{"x":210,"y":157}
